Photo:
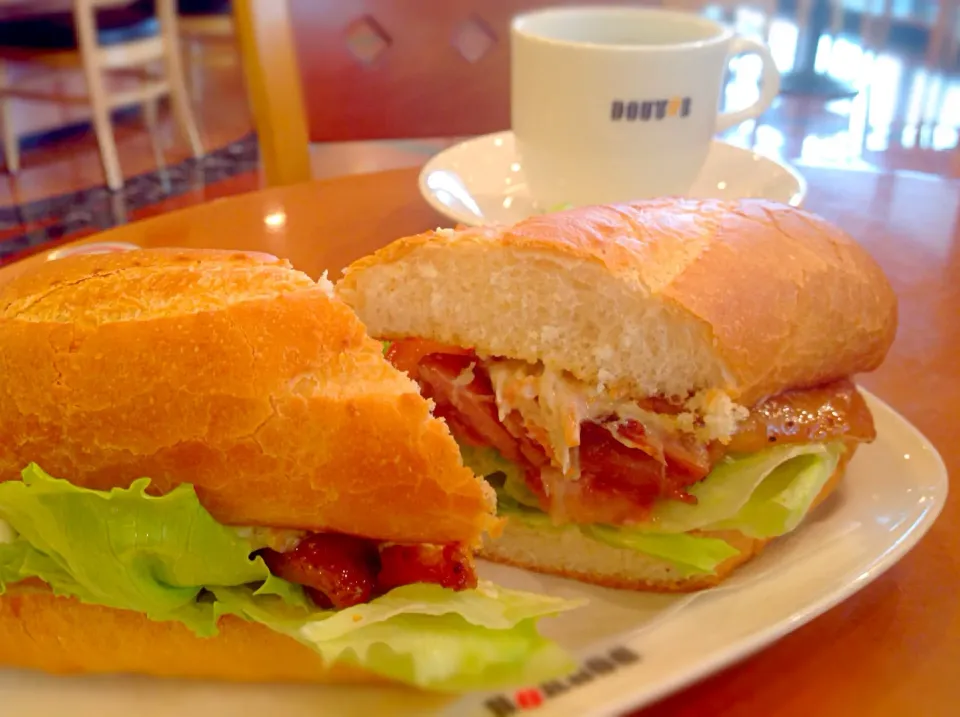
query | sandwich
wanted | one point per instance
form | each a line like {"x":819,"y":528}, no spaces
{"x":655,"y":389}
{"x":209,"y":470}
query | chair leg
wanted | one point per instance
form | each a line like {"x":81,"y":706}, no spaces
{"x":173,"y":69}
{"x":118,"y":207}
{"x":942,"y":38}
{"x":86,"y":28}
{"x":11,"y":143}
{"x":184,"y":116}
{"x":100,"y":109}
{"x":150,"y":114}
{"x":183,"y":113}
{"x":108,"y":145}
{"x":836,"y":18}
{"x":195,"y":66}
{"x":950,"y":54}
{"x":867,"y":28}
{"x":180,"y":99}
{"x":887,"y":22}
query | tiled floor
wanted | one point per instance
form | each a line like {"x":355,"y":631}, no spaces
{"x":905,"y":117}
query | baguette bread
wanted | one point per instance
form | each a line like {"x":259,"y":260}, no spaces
{"x":60,"y":635}
{"x":747,"y":297}
{"x":716,"y":305}
{"x":237,"y":374}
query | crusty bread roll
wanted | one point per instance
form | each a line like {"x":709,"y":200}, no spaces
{"x":662,"y":297}
{"x":654,"y":298}
{"x":570,"y":554}
{"x":232,"y":372}
{"x":59,"y":635}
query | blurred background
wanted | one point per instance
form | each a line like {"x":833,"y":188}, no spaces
{"x":115,"y":110}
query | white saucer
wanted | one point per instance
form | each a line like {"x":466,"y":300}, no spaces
{"x":480,"y":180}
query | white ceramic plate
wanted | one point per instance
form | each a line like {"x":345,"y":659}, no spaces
{"x":480,"y":181}
{"x":635,"y":647}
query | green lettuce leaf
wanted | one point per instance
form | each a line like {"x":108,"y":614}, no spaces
{"x":167,"y":557}
{"x":689,"y":554}
{"x":126,"y":549}
{"x":506,"y":476}
{"x":781,"y":501}
{"x":426,"y":635}
{"x":762,"y":495}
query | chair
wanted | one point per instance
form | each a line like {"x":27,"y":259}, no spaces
{"x":129,"y":59}
{"x":943,"y":40}
{"x":200,"y":26}
{"x":265,"y":37}
{"x":383,"y":69}
{"x":766,"y":8}
{"x":937,"y":19}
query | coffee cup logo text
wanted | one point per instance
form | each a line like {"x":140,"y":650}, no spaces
{"x":646,"y":110}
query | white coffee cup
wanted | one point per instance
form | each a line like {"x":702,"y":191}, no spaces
{"x":617,"y":103}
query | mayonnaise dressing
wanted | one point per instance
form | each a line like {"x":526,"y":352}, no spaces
{"x":553,"y":404}
{"x":282,"y":540}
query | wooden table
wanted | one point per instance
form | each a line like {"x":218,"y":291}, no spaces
{"x":894,"y":648}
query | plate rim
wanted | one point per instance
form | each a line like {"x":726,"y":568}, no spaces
{"x":764,"y":637}
{"x":797,"y":200}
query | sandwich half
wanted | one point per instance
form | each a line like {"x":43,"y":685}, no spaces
{"x":208,"y":469}
{"x":655,"y":389}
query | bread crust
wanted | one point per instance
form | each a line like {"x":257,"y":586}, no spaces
{"x":232,"y":372}
{"x":60,"y":635}
{"x":749,"y":296}
{"x":522,"y":547}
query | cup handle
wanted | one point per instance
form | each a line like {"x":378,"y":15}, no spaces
{"x":769,"y":83}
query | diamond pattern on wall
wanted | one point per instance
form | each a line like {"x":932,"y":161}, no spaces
{"x":473,"y":39}
{"x":366,"y":39}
